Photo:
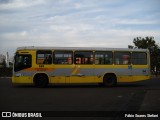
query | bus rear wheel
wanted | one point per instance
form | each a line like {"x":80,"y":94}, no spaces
{"x":109,"y":80}
{"x":41,"y":80}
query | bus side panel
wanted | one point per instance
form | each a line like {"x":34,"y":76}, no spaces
{"x":22,"y":79}
{"x":140,"y":72}
{"x":82,"y":79}
{"x":122,"y":72}
{"x":140,"y":78}
{"x":57,"y":79}
{"x":82,"y":74}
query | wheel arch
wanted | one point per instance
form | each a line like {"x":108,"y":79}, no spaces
{"x":109,"y":73}
{"x":39,"y":74}
{"x":110,"y":79}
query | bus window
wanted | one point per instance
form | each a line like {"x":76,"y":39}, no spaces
{"x":22,"y":62}
{"x":44,"y":57}
{"x":122,"y":58}
{"x":103,"y":57}
{"x":83,"y":57}
{"x":139,"y":58}
{"x":63,"y":57}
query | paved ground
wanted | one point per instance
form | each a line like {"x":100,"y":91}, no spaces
{"x":128,"y":97}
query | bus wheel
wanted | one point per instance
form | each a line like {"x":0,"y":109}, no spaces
{"x":109,"y":80}
{"x":41,"y":80}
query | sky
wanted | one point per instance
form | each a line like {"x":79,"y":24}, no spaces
{"x":76,"y":23}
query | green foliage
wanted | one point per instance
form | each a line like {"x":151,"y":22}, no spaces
{"x":144,"y":43}
{"x":3,"y":63}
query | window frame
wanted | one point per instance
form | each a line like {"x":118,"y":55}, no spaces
{"x":138,"y":59}
{"x":19,"y":67}
{"x":44,"y":52}
{"x":103,"y":57}
{"x":129,"y":61}
{"x":83,"y":58}
{"x":68,"y":51}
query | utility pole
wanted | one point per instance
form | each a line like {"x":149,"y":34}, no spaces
{"x":7,"y":60}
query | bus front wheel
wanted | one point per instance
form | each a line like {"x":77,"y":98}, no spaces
{"x":41,"y":80}
{"x":109,"y":80}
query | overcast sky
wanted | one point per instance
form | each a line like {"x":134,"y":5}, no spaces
{"x":83,"y":23}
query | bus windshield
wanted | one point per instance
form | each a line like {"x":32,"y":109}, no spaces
{"x":22,"y":61}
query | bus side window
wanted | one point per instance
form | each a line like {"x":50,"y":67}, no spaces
{"x":103,"y":57}
{"x":139,"y":58}
{"x":63,"y":57}
{"x":122,"y":58}
{"x":83,"y":57}
{"x":44,"y":57}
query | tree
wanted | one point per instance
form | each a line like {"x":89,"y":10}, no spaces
{"x":2,"y":58}
{"x":4,"y":63}
{"x":149,"y":43}
{"x":144,"y":43}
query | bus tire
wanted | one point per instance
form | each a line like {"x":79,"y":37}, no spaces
{"x":109,"y":80}
{"x":41,"y":80}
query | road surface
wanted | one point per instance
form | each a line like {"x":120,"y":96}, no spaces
{"x":92,"y":101}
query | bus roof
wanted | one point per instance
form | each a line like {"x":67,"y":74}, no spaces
{"x":79,"y":48}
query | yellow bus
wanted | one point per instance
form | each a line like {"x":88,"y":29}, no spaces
{"x":51,"y":65}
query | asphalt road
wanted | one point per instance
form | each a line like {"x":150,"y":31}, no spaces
{"x":139,"y":96}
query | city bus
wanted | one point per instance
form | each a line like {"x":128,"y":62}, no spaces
{"x":41,"y":66}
